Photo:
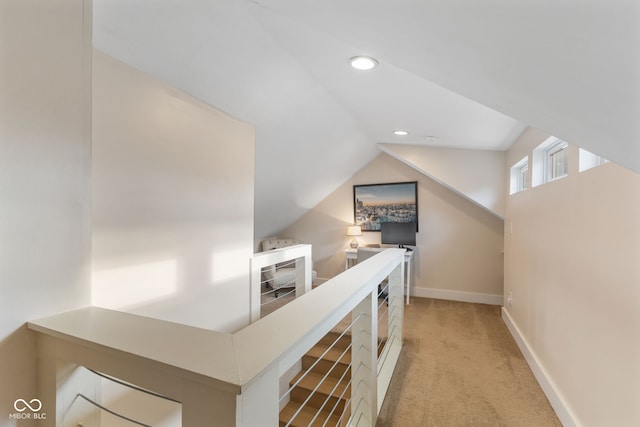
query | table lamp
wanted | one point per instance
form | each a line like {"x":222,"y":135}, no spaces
{"x":354,"y":230}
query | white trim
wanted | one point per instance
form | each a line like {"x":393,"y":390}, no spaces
{"x":559,"y":404}
{"x":458,"y":296}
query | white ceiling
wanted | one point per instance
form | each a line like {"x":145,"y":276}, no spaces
{"x":571,"y":68}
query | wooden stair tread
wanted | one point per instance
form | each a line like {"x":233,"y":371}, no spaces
{"x":335,"y":362}
{"x":323,"y":366}
{"x":334,"y":354}
{"x":303,"y":419}
{"x":342,"y":340}
{"x":328,"y":386}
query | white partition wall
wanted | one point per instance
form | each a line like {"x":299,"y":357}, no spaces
{"x":571,"y":280}
{"x":173,"y":202}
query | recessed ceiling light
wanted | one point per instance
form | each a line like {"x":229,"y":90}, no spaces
{"x":400,"y":132}
{"x":363,"y":63}
{"x":432,"y":138}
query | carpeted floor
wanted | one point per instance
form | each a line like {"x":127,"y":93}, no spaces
{"x":461,"y":367}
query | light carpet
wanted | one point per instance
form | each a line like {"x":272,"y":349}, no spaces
{"x":461,"y":367}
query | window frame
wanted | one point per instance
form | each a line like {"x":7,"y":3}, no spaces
{"x":523,"y":176}
{"x":552,"y":150}
{"x":588,"y":160}
{"x":520,"y":178}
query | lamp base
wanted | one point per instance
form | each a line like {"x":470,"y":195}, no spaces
{"x":354,"y":244}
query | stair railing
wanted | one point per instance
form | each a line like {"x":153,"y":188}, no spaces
{"x":263,"y":266}
{"x":228,"y":379}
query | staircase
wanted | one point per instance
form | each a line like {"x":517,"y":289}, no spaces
{"x":329,"y":390}
{"x":330,"y":400}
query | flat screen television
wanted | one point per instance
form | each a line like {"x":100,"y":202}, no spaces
{"x":398,"y":233}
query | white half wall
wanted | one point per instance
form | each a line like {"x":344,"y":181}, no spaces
{"x":571,"y":265}
{"x":45,"y":172}
{"x":173,"y":202}
{"x":477,"y":175}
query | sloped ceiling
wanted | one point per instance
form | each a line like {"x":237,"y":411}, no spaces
{"x":570,"y":68}
{"x":477,"y":175}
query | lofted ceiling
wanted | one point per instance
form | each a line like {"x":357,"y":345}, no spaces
{"x":458,"y":70}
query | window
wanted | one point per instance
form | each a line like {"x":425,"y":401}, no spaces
{"x":519,"y":176}
{"x":556,"y":161}
{"x":523,"y":177}
{"x":550,"y":161}
{"x":589,"y":160}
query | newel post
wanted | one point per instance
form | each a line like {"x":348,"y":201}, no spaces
{"x":395,"y":318}
{"x":258,"y":403}
{"x":364,"y":359}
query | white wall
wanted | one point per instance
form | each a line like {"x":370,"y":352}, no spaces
{"x":459,"y":244}
{"x":474,"y":174}
{"x":571,"y":264}
{"x":173,"y":202}
{"x":45,"y":235}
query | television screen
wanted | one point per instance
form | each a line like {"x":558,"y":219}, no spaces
{"x":398,"y":233}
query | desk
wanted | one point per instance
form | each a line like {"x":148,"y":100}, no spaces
{"x":351,"y":257}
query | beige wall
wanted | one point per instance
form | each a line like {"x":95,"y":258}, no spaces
{"x":173,"y":202}
{"x":571,"y":264}
{"x":459,"y":244}
{"x":474,"y":174}
{"x":45,"y":235}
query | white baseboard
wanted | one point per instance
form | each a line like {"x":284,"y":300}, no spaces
{"x":558,"y":403}
{"x":458,"y":296}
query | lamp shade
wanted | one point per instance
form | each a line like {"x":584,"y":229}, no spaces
{"x":354,"y":230}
